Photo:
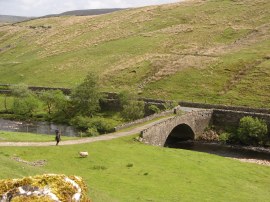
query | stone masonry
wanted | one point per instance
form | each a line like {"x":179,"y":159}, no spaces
{"x":158,"y":134}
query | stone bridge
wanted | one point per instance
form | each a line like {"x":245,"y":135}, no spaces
{"x":184,"y":127}
{"x":191,"y":125}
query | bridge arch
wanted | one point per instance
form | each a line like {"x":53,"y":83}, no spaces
{"x":182,"y":127}
{"x":181,"y":132}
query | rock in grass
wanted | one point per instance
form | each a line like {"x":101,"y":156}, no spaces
{"x":44,"y":188}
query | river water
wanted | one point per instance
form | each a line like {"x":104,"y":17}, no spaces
{"x":237,"y":152}
{"x":36,"y":127}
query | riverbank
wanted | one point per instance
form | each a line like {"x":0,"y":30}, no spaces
{"x":256,"y":149}
{"x":251,"y":154}
{"x":260,"y":162}
{"x":235,"y":146}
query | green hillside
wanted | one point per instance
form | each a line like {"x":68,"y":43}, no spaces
{"x":215,"y":51}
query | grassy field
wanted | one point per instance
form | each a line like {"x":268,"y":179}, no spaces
{"x":212,"y":51}
{"x":125,"y":170}
{"x":29,"y":137}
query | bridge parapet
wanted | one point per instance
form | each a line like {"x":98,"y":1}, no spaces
{"x":196,"y":120}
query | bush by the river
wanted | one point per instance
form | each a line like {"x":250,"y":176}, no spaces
{"x":93,"y":125}
{"x":224,"y":137}
{"x":25,"y":102}
{"x":252,"y":131}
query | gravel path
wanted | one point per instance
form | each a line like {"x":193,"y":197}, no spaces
{"x":109,"y":136}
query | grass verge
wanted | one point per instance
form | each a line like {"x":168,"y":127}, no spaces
{"x":29,"y":137}
{"x":126,"y":170}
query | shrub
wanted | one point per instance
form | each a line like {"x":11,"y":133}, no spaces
{"x":81,"y":122}
{"x":102,"y":125}
{"x":224,"y":137}
{"x":26,"y":106}
{"x":20,"y":90}
{"x":252,"y":131}
{"x":133,"y":110}
{"x":153,"y":109}
{"x":170,"y":105}
{"x":92,"y":132}
{"x":25,"y":101}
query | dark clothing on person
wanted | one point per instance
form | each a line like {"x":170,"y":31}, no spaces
{"x":57,"y":137}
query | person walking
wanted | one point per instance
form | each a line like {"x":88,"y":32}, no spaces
{"x":57,"y":136}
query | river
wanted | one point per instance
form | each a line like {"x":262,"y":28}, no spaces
{"x":36,"y":127}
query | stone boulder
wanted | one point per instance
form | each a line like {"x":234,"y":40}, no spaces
{"x":44,"y":188}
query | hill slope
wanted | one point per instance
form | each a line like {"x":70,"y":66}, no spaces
{"x":86,"y":12}
{"x":198,"y":50}
{"x":91,"y":11}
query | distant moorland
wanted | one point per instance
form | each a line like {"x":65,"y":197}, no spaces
{"x":12,"y":19}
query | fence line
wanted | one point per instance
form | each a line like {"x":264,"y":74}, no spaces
{"x":214,"y":103}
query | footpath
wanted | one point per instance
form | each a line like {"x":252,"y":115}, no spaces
{"x":109,"y":136}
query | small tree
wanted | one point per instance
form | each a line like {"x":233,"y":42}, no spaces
{"x":25,"y":101}
{"x":85,"y":97}
{"x":54,"y":100}
{"x":125,"y":97}
{"x":26,"y":106}
{"x":132,"y":109}
{"x":252,"y":131}
{"x":20,"y":90}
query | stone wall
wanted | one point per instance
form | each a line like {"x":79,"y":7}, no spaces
{"x":231,"y":118}
{"x":224,"y":107}
{"x":158,"y":134}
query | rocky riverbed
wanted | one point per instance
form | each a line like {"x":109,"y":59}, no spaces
{"x":259,"y":155}
{"x":263,"y":150}
{"x":261,"y":162}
